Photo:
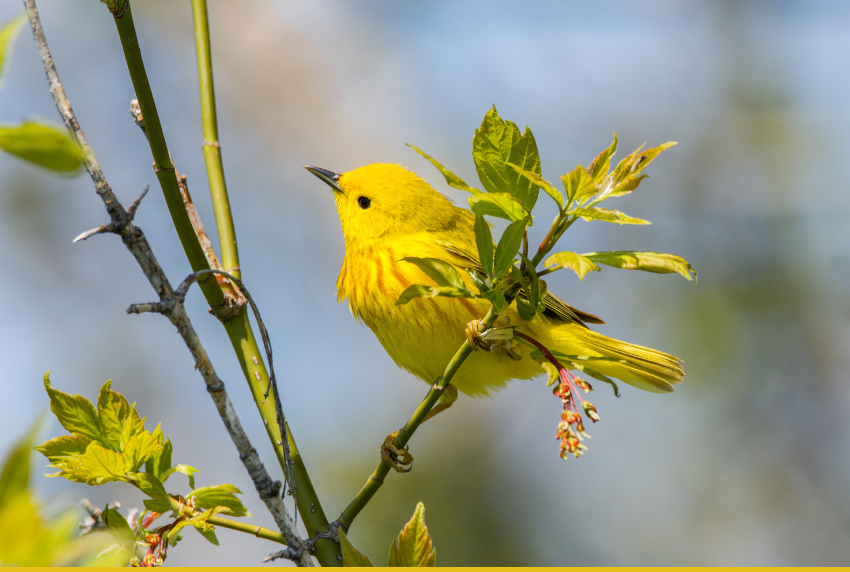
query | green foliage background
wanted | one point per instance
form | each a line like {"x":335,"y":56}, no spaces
{"x":745,"y":464}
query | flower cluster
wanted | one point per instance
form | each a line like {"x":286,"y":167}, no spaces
{"x":571,"y":431}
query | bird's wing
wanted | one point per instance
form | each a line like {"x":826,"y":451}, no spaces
{"x":556,"y":308}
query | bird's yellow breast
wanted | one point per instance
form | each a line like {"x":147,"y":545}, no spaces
{"x":422,"y":335}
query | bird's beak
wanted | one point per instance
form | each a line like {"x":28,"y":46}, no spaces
{"x":329,"y":177}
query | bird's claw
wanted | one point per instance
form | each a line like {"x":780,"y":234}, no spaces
{"x":475,"y":331}
{"x":399,"y":459}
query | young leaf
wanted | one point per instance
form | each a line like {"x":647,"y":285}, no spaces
{"x":159,"y":462}
{"x":497,"y":298}
{"x":413,"y":546}
{"x":220,"y":496}
{"x":598,"y":168}
{"x":578,"y":184}
{"x":607,"y":215}
{"x":580,"y":264}
{"x":8,"y":33}
{"x":508,"y":246}
{"x":443,"y":273}
{"x":63,"y":447}
{"x":102,"y":465}
{"x":535,"y":299}
{"x":656,"y":262}
{"x":185,"y":469}
{"x":633,"y":164}
{"x":133,"y":425}
{"x":209,"y":535}
{"x":536,"y":179}
{"x":351,"y":557}
{"x":596,"y":375}
{"x":151,"y":486}
{"x":497,"y":143}
{"x":15,"y":474}
{"x":484,"y":241}
{"x":76,"y":413}
{"x":139,"y":449}
{"x":113,"y":411}
{"x":422,"y":291}
{"x":42,"y":144}
{"x":117,"y":525}
{"x":501,"y":205}
{"x":452,"y":179}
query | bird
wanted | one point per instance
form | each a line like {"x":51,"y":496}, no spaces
{"x":388,"y":213}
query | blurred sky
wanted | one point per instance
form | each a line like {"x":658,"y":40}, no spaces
{"x":746,"y":464}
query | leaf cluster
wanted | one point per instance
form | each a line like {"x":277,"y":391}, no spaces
{"x":508,"y":166}
{"x":108,"y":442}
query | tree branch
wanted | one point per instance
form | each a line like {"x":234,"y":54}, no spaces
{"x":135,"y":241}
{"x":212,"y":146}
{"x":238,"y":328}
{"x":376,"y":479}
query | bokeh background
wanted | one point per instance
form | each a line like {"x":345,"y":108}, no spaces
{"x":747,"y":463}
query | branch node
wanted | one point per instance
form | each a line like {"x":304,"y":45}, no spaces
{"x":157,"y":169}
{"x":138,"y":118}
{"x":212,"y":144}
{"x":119,"y":12}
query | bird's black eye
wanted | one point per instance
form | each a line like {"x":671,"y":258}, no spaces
{"x":364,"y":203}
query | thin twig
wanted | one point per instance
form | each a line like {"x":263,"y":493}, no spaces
{"x":135,"y":241}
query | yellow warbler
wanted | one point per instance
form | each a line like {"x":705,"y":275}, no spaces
{"x":389,"y":213}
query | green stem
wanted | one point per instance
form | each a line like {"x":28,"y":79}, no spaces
{"x":212,"y":147}
{"x":307,"y":501}
{"x":238,"y":329}
{"x":163,"y":167}
{"x":253,"y":529}
{"x":377,"y":477}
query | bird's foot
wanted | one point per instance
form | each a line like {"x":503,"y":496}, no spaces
{"x":399,"y":459}
{"x":490,"y":339}
{"x":475,"y":331}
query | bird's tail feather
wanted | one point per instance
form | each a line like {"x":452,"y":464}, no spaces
{"x":644,"y":368}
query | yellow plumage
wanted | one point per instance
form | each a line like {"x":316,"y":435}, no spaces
{"x":388,"y":213}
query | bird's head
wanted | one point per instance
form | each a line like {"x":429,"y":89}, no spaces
{"x":381,"y":202}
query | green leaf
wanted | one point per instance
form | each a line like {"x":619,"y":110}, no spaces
{"x":598,"y":168}
{"x":497,"y":143}
{"x":209,"y":535}
{"x":199,"y":521}
{"x":633,"y":164}
{"x":423,"y":291}
{"x":139,"y":449}
{"x":8,"y":33}
{"x":76,"y":413}
{"x":501,"y":205}
{"x":112,"y":411}
{"x":117,"y":525}
{"x":578,"y":184}
{"x":497,"y":298}
{"x":151,"y":486}
{"x":42,"y":144}
{"x":508,"y":246}
{"x":656,"y":262}
{"x":535,"y":300}
{"x":220,"y":496}
{"x":15,"y":475}
{"x":159,"y":463}
{"x":351,"y":557}
{"x":442,"y":273}
{"x":133,"y":425}
{"x":452,"y":179}
{"x":580,"y":264}
{"x":102,"y":465}
{"x":484,"y":241}
{"x":607,"y":215}
{"x":536,"y":179}
{"x":526,"y":310}
{"x":64,"y":447}
{"x":185,"y":469}
{"x":413,"y":546}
